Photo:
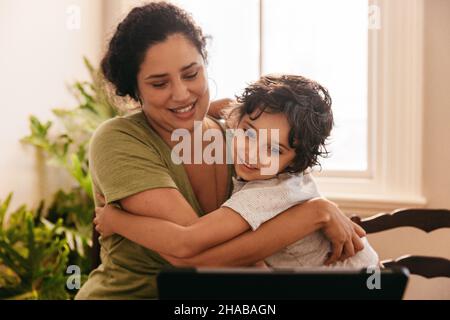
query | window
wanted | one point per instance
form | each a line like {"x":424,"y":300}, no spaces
{"x":234,"y":45}
{"x":374,"y":76}
{"x":324,"y":40}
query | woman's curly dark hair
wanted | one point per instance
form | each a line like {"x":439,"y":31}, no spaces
{"x":143,"y":27}
{"x":307,"y":106}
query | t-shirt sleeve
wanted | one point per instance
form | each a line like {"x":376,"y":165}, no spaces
{"x":258,"y":202}
{"x":123,"y":164}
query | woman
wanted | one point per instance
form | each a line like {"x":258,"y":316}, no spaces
{"x":157,"y":57}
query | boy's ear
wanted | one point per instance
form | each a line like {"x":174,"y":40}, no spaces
{"x":289,"y":168}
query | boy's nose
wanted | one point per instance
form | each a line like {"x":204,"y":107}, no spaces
{"x":251,"y":152}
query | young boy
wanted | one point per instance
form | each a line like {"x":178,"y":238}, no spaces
{"x":298,"y":110}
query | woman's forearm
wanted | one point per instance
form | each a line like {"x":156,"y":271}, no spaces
{"x":155,"y":234}
{"x":285,"y":229}
{"x":180,"y":241}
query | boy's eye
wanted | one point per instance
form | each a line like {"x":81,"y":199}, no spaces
{"x":275,"y":151}
{"x":250,"y":133}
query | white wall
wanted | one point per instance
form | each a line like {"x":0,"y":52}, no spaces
{"x":436,"y":157}
{"x":39,"y":56}
{"x":436,"y":170}
{"x":114,"y":12}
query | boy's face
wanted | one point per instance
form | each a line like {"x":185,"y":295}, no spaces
{"x":266,"y":150}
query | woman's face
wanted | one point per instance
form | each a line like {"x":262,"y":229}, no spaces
{"x":173,"y":86}
{"x":277,"y":150}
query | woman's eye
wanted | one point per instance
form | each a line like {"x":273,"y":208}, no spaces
{"x":159,"y":84}
{"x":191,"y":76}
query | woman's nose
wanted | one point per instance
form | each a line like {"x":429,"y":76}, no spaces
{"x":180,"y":92}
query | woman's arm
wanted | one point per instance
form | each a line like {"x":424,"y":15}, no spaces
{"x":162,"y":203}
{"x":285,"y":229}
{"x":167,"y":237}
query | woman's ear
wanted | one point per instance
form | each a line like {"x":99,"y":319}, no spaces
{"x":138,"y":96}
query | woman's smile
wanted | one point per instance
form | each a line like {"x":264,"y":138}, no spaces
{"x":185,"y":112}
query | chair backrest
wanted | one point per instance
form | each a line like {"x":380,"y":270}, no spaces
{"x":426,"y":220}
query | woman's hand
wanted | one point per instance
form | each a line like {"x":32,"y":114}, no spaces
{"x":217,"y":106}
{"x":343,"y":233}
{"x":102,"y":219}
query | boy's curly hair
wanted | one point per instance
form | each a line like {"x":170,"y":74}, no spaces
{"x":307,"y":106}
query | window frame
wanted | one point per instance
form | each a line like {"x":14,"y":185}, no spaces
{"x":395,"y":112}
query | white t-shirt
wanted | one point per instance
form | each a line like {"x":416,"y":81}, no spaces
{"x":260,"y":200}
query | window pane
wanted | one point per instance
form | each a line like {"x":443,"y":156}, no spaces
{"x":234,"y":49}
{"x":325,"y":40}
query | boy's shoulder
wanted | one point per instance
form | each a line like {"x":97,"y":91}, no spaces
{"x":286,"y":180}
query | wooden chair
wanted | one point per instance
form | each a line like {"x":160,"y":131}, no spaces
{"x":426,"y":220}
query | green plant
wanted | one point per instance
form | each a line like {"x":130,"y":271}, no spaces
{"x":34,"y":255}
{"x":37,"y":246}
{"x":68,"y":147}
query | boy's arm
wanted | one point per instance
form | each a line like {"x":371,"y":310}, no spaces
{"x":283,"y":230}
{"x":170,"y":238}
{"x":253,"y":246}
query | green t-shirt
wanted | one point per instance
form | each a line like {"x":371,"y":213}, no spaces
{"x":126,"y":156}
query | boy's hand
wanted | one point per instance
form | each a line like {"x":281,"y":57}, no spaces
{"x":343,"y":234}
